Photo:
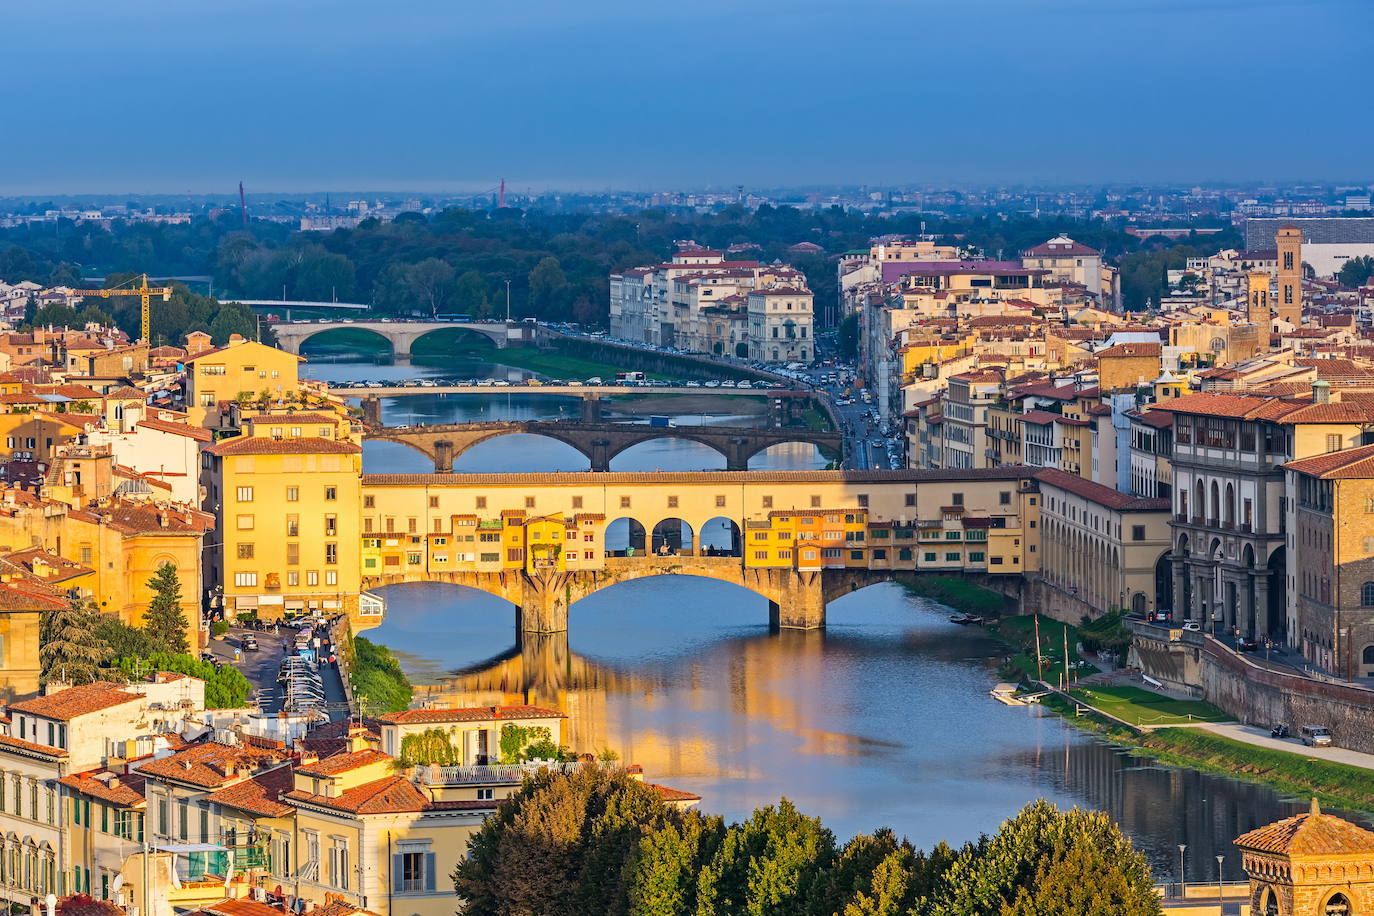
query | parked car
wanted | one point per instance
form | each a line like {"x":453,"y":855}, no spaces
{"x":1315,"y":735}
{"x":250,"y":644}
{"x":1192,"y":625}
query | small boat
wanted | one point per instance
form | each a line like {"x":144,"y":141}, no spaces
{"x":965,"y":619}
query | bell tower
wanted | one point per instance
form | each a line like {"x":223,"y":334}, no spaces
{"x":1289,"y":303}
{"x":1257,"y":303}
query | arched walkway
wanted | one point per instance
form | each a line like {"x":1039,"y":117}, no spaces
{"x":625,"y":536}
{"x":720,"y":537}
{"x":672,"y":536}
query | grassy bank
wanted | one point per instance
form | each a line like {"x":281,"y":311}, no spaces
{"x":378,"y":681}
{"x":1019,"y":634}
{"x":551,"y":363}
{"x":959,"y":594}
{"x":1141,"y":707}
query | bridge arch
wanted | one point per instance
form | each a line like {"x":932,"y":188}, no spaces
{"x":400,"y":334}
{"x":720,"y":537}
{"x":672,"y":536}
{"x":319,"y":335}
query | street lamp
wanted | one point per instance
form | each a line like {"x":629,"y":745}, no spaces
{"x":1220,"y":859}
{"x":1182,"y":848}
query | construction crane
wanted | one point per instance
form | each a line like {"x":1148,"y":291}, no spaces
{"x":143,"y":290}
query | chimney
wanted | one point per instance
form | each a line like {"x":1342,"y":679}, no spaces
{"x":236,"y":339}
{"x":1321,"y":392}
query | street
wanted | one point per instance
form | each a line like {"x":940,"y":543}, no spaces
{"x":261,"y":666}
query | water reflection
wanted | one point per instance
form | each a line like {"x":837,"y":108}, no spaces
{"x":883,"y":718}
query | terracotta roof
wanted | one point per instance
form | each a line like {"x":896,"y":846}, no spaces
{"x":238,"y":906}
{"x":76,"y":701}
{"x":470,"y":714}
{"x":288,"y":418}
{"x":209,"y":765}
{"x":7,"y":741}
{"x":1351,"y":463}
{"x":1040,"y":417}
{"x":260,"y":445}
{"x":1102,"y":495}
{"x":342,"y":763}
{"x":1126,"y":350}
{"x":260,"y":795}
{"x":178,"y":429}
{"x":1213,"y":405}
{"x":392,"y":794}
{"x":669,"y":794}
{"x":1310,"y":834}
{"x":124,"y":790}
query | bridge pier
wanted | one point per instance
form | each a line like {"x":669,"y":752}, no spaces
{"x":543,"y":604}
{"x":591,"y":408}
{"x":443,"y":457}
{"x":372,"y":410}
{"x":737,"y":452}
{"x":600,"y":454}
{"x":799,"y":602}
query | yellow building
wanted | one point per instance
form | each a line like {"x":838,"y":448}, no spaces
{"x":289,"y":535}
{"x":473,"y":733}
{"x":1127,"y":366}
{"x":241,"y":369}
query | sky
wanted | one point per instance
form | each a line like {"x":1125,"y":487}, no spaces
{"x":307,"y":95}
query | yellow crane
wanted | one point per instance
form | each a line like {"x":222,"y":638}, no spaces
{"x":143,"y":290}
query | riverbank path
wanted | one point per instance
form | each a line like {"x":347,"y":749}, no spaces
{"x":1259,"y":737}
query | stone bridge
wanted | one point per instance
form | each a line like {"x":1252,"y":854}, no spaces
{"x":403,"y":334}
{"x":600,"y":442}
{"x":796,"y":598}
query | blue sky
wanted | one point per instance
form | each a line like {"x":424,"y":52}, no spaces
{"x":301,"y":95}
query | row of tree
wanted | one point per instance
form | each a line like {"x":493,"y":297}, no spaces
{"x":598,"y":841}
{"x":555,"y":264}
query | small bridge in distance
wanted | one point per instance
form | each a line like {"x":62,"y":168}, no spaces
{"x":600,"y":442}
{"x":402,"y":335}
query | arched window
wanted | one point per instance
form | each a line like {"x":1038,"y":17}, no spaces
{"x":1269,"y":903}
{"x":1367,"y":657}
{"x":1367,"y":594}
{"x":1337,"y":905}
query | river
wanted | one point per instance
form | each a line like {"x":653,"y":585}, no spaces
{"x":882,"y":719}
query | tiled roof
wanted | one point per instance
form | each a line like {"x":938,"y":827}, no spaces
{"x":1039,"y":417}
{"x":209,"y":765}
{"x":669,"y":794}
{"x":659,"y":479}
{"x":1102,"y":495}
{"x":1310,"y":834}
{"x":124,"y":790}
{"x":389,"y":795}
{"x":179,"y":429}
{"x":1127,"y":350}
{"x":17,"y":744}
{"x":260,"y":795}
{"x":342,"y":763}
{"x":238,"y":906}
{"x":1348,"y":464}
{"x":261,"y":445}
{"x":76,"y":701}
{"x":469,"y":714}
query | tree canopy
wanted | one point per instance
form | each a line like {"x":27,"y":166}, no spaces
{"x":597,"y":841}
{"x":70,"y":649}
{"x":164,"y":620}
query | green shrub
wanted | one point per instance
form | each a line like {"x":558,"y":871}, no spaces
{"x":225,"y":687}
{"x":379,"y":684}
{"x":219,"y":628}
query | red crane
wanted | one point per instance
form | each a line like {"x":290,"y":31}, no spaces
{"x":501,"y":201}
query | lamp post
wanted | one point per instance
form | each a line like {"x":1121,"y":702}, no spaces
{"x":1220,"y":859}
{"x":1182,"y":848}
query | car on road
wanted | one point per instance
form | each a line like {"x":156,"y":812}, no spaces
{"x":1192,"y":626}
{"x":1247,"y":645}
{"x":1315,"y":736}
{"x":249,"y":644}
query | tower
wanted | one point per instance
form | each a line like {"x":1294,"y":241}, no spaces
{"x":1257,"y":303}
{"x":1289,"y":304}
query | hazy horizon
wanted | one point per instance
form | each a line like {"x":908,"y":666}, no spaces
{"x":168,"y":98}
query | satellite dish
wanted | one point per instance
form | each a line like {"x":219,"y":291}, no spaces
{"x":118,"y":883}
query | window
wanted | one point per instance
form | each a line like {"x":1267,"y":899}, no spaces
{"x":1004,"y":498}
{"x":370,"y":502}
{"x":624,"y":502}
{"x":293,"y":579}
{"x":434,"y":502}
{"x":720,"y":500}
{"x":863,"y":500}
{"x":331,"y":553}
{"x":331,"y":525}
{"x":1367,"y":594}
{"x":486,"y":794}
{"x":577,"y":502}
{"x":245,"y":522}
{"x":413,"y":872}
{"x":246,"y":579}
{"x":412,"y":525}
{"x":767,"y":502}
{"x":481,"y":502}
{"x":293,"y":554}
{"x":1137,"y":532}
{"x":672,"y":502}
{"x":952,"y":557}
{"x":245,"y":494}
{"x":957,"y":499}
{"x":331,"y":494}
{"x":529,"y":502}
{"x":910,"y":499}
{"x":293,"y":526}
{"x":245,"y":551}
{"x":312,"y":577}
{"x":975,"y":556}
{"x":856,"y":554}
{"x":815,"y":502}
{"x":293,"y":494}
{"x":760,"y":554}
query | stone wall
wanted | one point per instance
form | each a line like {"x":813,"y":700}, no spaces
{"x":1253,"y":693}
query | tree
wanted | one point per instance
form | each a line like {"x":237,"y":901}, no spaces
{"x":547,"y":285}
{"x":56,"y":315}
{"x":92,"y":315}
{"x":70,"y":649}
{"x":1356,"y":271}
{"x":64,"y":274}
{"x":1047,"y":862}
{"x":228,"y":321}
{"x":470,"y":294}
{"x":767,"y":866}
{"x":661,"y":875}
{"x":430,"y":282}
{"x":164,"y":620}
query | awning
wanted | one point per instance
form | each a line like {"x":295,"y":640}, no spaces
{"x":248,"y":603}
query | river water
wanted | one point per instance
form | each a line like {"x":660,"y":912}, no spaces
{"x":882,"y":719}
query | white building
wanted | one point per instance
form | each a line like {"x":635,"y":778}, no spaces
{"x":780,"y":325}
